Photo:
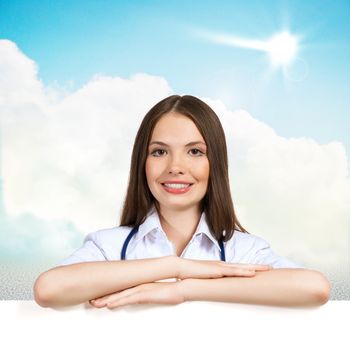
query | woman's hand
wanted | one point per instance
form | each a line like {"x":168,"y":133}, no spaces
{"x":148,"y":293}
{"x":190,"y":268}
{"x":170,"y":292}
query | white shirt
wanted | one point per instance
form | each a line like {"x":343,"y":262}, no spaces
{"x":150,"y":242}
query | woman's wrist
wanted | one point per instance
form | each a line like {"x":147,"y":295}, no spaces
{"x":183,"y":287}
{"x":175,"y":263}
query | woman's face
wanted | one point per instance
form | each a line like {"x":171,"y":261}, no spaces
{"x":175,"y":160}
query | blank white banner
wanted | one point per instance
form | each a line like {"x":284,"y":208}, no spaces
{"x":197,"y":324}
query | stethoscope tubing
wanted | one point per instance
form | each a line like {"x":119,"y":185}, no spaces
{"x":134,"y":231}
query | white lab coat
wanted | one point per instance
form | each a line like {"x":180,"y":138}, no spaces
{"x":150,"y":242}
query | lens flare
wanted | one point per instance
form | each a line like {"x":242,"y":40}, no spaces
{"x":281,"y":47}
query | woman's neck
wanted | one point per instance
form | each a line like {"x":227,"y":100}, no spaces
{"x":179,"y":225}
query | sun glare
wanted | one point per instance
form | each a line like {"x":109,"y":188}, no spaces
{"x":282,"y":48}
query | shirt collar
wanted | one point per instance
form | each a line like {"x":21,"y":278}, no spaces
{"x":152,"y":223}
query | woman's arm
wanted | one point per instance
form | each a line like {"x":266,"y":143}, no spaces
{"x":278,"y":287}
{"x":77,"y":283}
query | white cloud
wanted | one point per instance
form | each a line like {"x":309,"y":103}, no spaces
{"x":18,"y":79}
{"x":293,"y":192}
{"x":67,"y":156}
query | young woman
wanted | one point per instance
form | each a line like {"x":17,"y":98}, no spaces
{"x":178,"y":227}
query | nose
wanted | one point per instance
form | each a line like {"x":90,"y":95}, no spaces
{"x":176,"y":164}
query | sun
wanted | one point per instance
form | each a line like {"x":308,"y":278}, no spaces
{"x":282,"y":48}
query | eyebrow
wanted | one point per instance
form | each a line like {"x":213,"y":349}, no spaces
{"x":189,"y":144}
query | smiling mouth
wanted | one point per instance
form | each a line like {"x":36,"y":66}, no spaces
{"x":176,"y":185}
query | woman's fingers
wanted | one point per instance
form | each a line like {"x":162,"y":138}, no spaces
{"x":242,"y":272}
{"x":247,"y":270}
{"x":251,"y":266}
{"x":97,"y":303}
{"x":115,"y":297}
{"x":190,"y":268}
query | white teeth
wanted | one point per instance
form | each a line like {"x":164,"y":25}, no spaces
{"x":176,"y":185}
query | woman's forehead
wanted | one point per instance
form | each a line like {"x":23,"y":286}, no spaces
{"x":176,"y":128}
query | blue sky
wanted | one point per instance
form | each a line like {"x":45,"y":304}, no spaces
{"x":72,"y":41}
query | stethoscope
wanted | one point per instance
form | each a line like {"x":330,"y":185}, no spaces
{"x":134,"y":231}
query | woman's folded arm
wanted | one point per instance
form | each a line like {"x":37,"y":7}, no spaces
{"x":277,"y":287}
{"x":77,"y":283}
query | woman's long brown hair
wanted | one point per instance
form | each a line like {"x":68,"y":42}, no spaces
{"x":217,"y":203}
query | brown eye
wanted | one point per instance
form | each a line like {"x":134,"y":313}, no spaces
{"x":198,"y":151}
{"x":157,"y":150}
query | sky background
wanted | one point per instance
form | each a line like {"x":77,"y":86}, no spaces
{"x":76,"y":79}
{"x":73,"y":40}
